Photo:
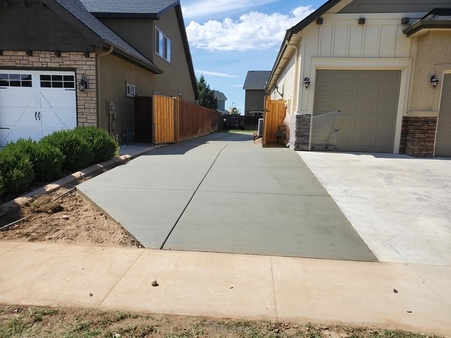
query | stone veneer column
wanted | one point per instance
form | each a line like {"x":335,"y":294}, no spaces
{"x":87,"y":100}
{"x":302,"y":132}
{"x":418,"y":136}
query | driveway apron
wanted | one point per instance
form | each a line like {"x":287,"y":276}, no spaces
{"x":223,"y":193}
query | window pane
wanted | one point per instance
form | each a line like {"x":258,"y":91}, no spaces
{"x":168,"y":50}
{"x":57,"y":84}
{"x":45,"y":84}
{"x":14,"y":83}
{"x":161,"y":53}
{"x":68,"y":78}
{"x":25,"y":77}
{"x":45,"y":77}
{"x":69,"y":84}
{"x":14,"y":76}
{"x":26,"y":83}
{"x":157,"y":41}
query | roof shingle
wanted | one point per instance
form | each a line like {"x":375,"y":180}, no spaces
{"x":129,"y":6}
{"x":256,"y":79}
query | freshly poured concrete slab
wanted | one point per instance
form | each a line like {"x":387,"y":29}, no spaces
{"x":284,"y":181}
{"x":257,"y":157}
{"x":54,"y":274}
{"x":197,"y":284}
{"x":159,"y":176}
{"x":148,"y":214}
{"x":286,"y":225}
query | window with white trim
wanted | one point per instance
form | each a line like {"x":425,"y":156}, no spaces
{"x":131,"y":90}
{"x":162,"y":45}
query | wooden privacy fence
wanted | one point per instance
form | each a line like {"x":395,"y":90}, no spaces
{"x":274,"y":116}
{"x":176,"y":120}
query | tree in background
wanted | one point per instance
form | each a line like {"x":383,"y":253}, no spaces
{"x":206,"y":95}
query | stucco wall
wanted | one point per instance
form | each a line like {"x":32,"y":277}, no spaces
{"x":433,"y":57}
{"x":254,"y":100}
{"x":87,"y":100}
{"x":114,"y":74}
{"x":176,"y":77}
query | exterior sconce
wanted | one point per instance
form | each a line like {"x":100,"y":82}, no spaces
{"x":83,"y":84}
{"x":361,"y":21}
{"x":306,"y":82}
{"x":29,"y":52}
{"x":434,"y":81}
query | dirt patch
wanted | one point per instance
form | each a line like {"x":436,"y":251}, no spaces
{"x":22,"y":321}
{"x":63,"y":216}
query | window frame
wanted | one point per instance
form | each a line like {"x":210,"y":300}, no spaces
{"x":163,"y":45}
{"x":130,"y":90}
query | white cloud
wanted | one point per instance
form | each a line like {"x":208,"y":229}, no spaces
{"x":205,"y":8}
{"x":207,"y":72}
{"x":253,"y":31}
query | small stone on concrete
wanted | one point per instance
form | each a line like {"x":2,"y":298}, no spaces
{"x":154,"y":283}
{"x":65,"y":217}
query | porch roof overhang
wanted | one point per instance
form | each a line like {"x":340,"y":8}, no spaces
{"x":438,"y":18}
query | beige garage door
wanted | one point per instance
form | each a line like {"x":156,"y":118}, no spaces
{"x":368,"y":100}
{"x":443,"y":143}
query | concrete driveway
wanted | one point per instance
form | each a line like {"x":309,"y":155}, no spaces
{"x":223,"y":193}
{"x":399,"y":205}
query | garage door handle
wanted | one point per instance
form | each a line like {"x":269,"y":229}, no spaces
{"x":39,"y":116}
{"x":36,"y":115}
{"x":4,"y":128}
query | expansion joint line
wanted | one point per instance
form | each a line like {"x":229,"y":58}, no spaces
{"x":192,"y":196}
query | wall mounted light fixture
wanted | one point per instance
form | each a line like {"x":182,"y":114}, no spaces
{"x":306,"y":82}
{"x":434,"y":81}
{"x":83,"y":84}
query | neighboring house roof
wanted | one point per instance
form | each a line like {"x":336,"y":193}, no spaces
{"x":296,"y":29}
{"x":220,"y":96}
{"x":256,"y":79}
{"x":79,"y":17}
{"x":129,"y":8}
{"x":438,"y":18}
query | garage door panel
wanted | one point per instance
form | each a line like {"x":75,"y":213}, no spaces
{"x":370,"y":90}
{"x":364,"y":125}
{"x":366,"y":108}
{"x":368,"y":121}
{"x":35,"y":102}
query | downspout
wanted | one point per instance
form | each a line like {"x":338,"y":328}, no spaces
{"x":296,"y":77}
{"x":98,"y":88}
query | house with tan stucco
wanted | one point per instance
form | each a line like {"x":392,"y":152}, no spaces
{"x":368,"y":76}
{"x":68,"y":63}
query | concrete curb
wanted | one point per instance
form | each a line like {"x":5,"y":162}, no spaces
{"x":104,"y":166}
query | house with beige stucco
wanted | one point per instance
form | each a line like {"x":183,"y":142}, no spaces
{"x":368,"y":76}
{"x":68,"y":63}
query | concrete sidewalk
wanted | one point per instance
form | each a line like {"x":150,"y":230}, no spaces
{"x":227,"y":285}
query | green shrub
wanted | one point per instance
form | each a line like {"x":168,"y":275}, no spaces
{"x":76,"y":151}
{"x":16,"y":170}
{"x":1,"y":186}
{"x":46,"y":159}
{"x":103,"y":146}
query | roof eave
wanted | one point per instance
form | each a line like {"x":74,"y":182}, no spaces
{"x":135,"y":60}
{"x":426,"y":24}
{"x":296,"y":29}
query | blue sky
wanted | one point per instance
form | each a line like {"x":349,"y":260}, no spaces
{"x":229,"y":37}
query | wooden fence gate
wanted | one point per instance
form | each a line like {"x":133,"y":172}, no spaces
{"x":164,"y":123}
{"x":274,"y":116}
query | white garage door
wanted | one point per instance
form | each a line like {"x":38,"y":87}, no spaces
{"x":368,"y":100}
{"x":35,"y":103}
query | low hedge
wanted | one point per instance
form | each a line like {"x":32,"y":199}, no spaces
{"x":16,"y":170}
{"x":77,"y":152}
{"x":46,"y":159}
{"x":26,"y":161}
{"x":102,"y":145}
